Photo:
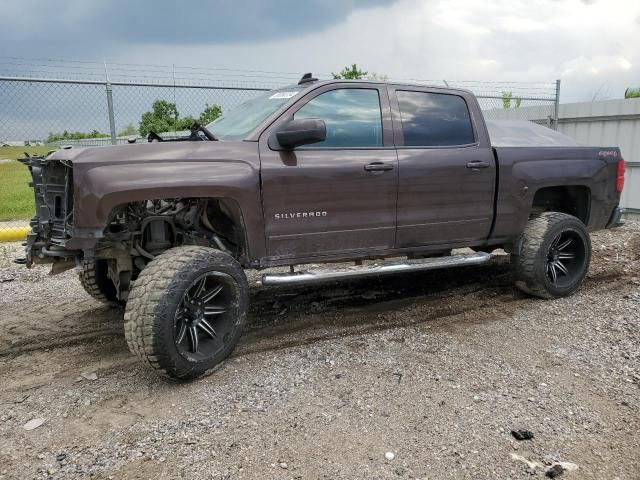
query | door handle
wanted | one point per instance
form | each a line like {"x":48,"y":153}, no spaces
{"x":378,"y":167}
{"x":478,"y":164}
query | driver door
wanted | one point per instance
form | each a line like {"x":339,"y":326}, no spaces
{"x":337,"y":196}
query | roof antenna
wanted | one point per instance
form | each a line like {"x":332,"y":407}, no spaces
{"x":307,"y":78}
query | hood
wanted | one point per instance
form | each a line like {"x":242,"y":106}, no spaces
{"x":161,"y":152}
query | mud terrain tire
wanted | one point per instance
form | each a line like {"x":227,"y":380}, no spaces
{"x":169,"y":295}
{"x":97,"y":283}
{"x":554,"y":256}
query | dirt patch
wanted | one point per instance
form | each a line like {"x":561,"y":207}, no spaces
{"x":635,"y":247}
{"x":436,"y":368}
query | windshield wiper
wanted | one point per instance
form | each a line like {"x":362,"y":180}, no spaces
{"x":196,"y":127}
{"x":152,"y":137}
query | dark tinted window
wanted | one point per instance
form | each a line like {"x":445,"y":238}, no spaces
{"x":434,"y":119}
{"x":352,"y":116}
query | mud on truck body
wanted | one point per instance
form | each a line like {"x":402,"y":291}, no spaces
{"x":318,"y":172}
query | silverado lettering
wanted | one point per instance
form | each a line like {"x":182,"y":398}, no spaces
{"x":280,"y":216}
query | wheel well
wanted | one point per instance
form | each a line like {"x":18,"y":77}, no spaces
{"x":154,"y":225}
{"x":140,"y":231}
{"x":574,"y":200}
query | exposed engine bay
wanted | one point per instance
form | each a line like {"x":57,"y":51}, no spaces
{"x":153,"y":226}
{"x":140,"y":231}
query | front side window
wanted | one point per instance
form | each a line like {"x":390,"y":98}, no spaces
{"x":434,"y":119}
{"x":352,"y":116}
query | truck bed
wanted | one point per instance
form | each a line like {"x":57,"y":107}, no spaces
{"x":532,"y":157}
{"x":521,"y":133}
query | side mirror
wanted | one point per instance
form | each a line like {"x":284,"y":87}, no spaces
{"x":303,"y":131}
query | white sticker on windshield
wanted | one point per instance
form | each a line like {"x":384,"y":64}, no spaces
{"x":283,"y":94}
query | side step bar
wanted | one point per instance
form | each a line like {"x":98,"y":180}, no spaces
{"x":316,"y":276}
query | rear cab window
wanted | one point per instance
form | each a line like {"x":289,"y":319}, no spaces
{"x":434,"y":119}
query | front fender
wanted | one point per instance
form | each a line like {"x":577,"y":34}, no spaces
{"x":99,"y":189}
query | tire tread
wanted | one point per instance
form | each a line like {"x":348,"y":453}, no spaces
{"x":148,"y":304}
{"x":91,"y":284}
{"x":526,"y":262}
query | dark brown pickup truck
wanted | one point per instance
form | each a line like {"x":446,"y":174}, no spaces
{"x":318,"y":172}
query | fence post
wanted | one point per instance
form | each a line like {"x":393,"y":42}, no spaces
{"x":556,"y":106}
{"x":112,"y":119}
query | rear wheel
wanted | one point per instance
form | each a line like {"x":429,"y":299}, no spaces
{"x":554,"y":256}
{"x":186,"y":310}
{"x":96,"y":282}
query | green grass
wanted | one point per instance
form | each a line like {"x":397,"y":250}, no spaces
{"x":16,"y":197}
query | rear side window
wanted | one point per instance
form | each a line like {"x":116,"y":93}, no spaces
{"x":434,"y":119}
{"x":352,"y":117}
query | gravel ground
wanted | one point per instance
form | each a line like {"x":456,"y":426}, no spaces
{"x":417,"y":376}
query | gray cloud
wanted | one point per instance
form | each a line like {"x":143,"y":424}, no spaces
{"x":33,"y":27}
{"x":519,"y":40}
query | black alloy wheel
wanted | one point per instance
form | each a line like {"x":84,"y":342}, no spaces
{"x":186,"y":310}
{"x":565,"y":259}
{"x":202,"y":320}
{"x":551,"y":258}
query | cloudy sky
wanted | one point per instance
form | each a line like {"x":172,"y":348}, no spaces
{"x":592,"y":45}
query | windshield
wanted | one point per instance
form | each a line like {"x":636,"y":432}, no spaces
{"x":238,"y":122}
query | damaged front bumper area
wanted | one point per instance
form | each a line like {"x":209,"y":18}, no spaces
{"x":52,"y":225}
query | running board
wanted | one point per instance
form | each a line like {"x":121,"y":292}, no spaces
{"x":316,"y":276}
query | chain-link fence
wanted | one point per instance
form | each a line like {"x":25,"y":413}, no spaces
{"x":535,"y":102}
{"x":40,"y":111}
{"x":42,"y":114}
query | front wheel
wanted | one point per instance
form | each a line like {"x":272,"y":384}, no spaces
{"x":554,"y":256}
{"x":186,"y":310}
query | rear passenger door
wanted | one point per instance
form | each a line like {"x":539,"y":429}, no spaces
{"x":446,"y":168}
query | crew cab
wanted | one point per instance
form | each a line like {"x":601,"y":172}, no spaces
{"x":318,"y":172}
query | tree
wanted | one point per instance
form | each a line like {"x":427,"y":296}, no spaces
{"x":186,"y":122}
{"x":128,"y":130}
{"x":506,"y":100}
{"x":66,"y":135}
{"x":350,"y":73}
{"x":163,"y":117}
{"x":210,"y":113}
{"x":632,"y":93}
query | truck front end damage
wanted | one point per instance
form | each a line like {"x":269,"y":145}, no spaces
{"x":133,"y":233}
{"x":52,"y":225}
